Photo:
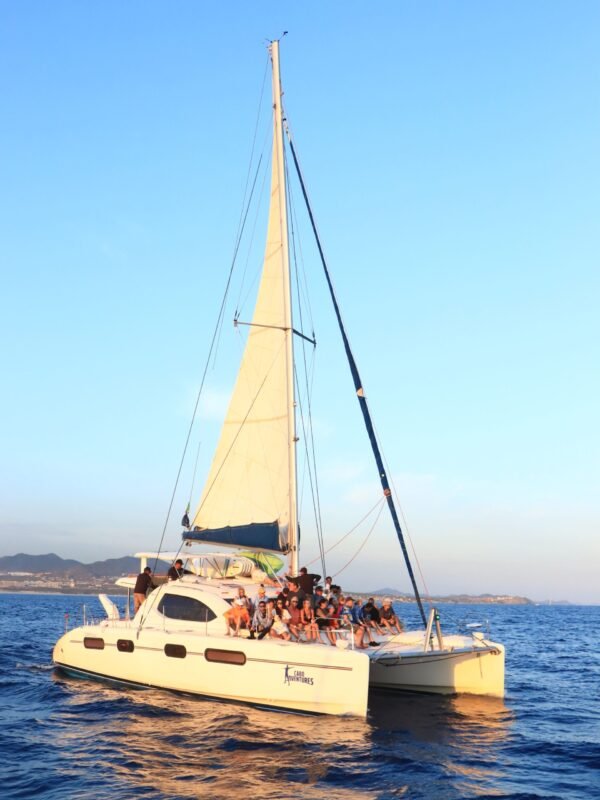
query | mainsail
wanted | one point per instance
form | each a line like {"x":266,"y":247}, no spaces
{"x":249,"y":498}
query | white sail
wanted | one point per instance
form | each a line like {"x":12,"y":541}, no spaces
{"x":252,"y":477}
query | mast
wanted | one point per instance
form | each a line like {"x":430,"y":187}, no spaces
{"x":279,"y":170}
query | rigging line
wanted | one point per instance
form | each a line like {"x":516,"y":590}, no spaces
{"x":302,"y":480}
{"x":235,"y":253}
{"x":318,"y":512}
{"x":306,"y":454}
{"x":314,"y":487}
{"x":262,"y":161}
{"x":406,"y":527}
{"x":362,"y":401}
{"x":242,"y":301}
{"x":311,"y":371}
{"x":239,"y":430}
{"x":194,"y":474}
{"x":410,"y":539}
{"x":304,"y":284}
{"x":312,"y":452}
{"x":339,"y":572}
{"x":212,"y":348}
{"x":381,"y":501}
{"x":260,"y":102}
{"x":265,"y":563}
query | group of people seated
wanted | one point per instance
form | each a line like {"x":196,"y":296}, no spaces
{"x":303,"y":611}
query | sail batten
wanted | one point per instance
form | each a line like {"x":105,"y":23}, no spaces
{"x":252,"y":480}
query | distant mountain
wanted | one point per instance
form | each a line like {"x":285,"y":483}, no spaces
{"x":114,"y":567}
{"x":452,"y":598}
{"x":46,"y":563}
{"x":55,"y":565}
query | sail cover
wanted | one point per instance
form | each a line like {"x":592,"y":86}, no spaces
{"x":246,"y":498}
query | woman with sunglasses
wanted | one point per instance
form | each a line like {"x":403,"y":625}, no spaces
{"x":307,"y":618}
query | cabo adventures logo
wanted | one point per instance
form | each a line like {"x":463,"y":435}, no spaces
{"x":296,"y":676}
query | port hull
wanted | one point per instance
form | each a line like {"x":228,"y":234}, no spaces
{"x":271,"y":673}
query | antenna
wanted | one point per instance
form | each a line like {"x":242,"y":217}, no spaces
{"x":270,"y":41}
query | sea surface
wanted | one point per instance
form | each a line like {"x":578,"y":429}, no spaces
{"x":69,"y":739}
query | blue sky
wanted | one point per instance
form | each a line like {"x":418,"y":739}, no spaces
{"x":451,"y":152}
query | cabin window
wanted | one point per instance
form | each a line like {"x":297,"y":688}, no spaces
{"x":225,"y":656}
{"x":93,"y":643}
{"x":177,"y":606}
{"x":175,"y":651}
{"x":124,"y":646}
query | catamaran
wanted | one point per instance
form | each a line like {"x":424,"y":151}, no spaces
{"x":249,"y":506}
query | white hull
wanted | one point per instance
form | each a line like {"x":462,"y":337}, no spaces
{"x":465,"y":665}
{"x":274,"y":673}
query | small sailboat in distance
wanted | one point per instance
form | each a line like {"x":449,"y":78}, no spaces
{"x":249,"y":505}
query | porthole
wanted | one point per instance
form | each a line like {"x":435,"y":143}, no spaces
{"x":124,"y":646}
{"x":175,"y":651}
{"x":225,"y":656}
{"x":93,"y":643}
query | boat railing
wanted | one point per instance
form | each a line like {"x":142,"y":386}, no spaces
{"x":342,"y":631}
{"x":433,"y":619}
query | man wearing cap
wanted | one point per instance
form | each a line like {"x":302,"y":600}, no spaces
{"x":387,"y":617}
{"x":318,"y":595}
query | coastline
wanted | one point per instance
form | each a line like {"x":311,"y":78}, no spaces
{"x":117,"y":591}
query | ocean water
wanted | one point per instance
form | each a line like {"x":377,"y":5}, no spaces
{"x":73,"y":739}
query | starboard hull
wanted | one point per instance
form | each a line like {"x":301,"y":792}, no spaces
{"x":469,"y":670}
{"x":275,"y":674}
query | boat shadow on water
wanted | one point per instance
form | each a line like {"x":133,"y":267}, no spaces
{"x":173,"y":745}
{"x":437,"y":718}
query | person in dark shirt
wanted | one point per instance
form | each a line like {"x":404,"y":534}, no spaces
{"x":317,"y":597}
{"x":371,"y":615}
{"x":177,"y":571}
{"x":294,"y":591}
{"x":350,"y":616}
{"x":284,"y":595}
{"x":306,"y":581}
{"x":143,"y":583}
{"x":336,"y":591}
